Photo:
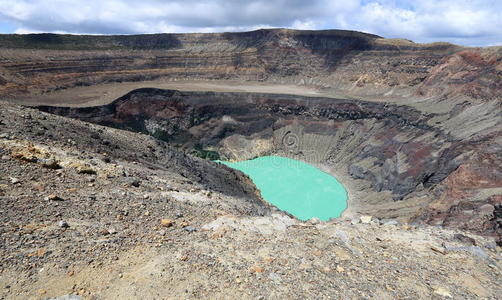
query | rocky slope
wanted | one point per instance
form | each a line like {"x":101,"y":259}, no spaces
{"x":99,"y":213}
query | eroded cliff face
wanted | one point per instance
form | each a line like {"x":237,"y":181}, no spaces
{"x":396,"y":161}
{"x":351,"y":63}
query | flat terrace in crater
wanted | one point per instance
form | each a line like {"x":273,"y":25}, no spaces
{"x":102,"y":94}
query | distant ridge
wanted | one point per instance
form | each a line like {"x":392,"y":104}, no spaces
{"x":157,"y":41}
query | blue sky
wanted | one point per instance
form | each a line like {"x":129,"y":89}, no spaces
{"x":465,"y":22}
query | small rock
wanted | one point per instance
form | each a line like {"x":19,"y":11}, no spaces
{"x":53,"y":197}
{"x":443,"y":292}
{"x":365,"y":219}
{"x":39,"y":187}
{"x":133,"y":182}
{"x":63,"y":224}
{"x":39,"y":253}
{"x":389,"y":222}
{"x":314,"y":221}
{"x":146,"y":196}
{"x":340,"y":269}
{"x":436,"y":249}
{"x":268,"y":259}
{"x":190,"y":229}
{"x":464,"y":239}
{"x":83,"y":169}
{"x":14,"y":180}
{"x":357,"y":172}
{"x":179,"y":215}
{"x":51,"y":164}
{"x":491,"y":245}
{"x":166,"y":222}
{"x":257,"y":269}
{"x":111,"y":230}
{"x":375,"y":221}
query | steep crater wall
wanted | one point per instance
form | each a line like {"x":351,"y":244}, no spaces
{"x":346,"y":62}
{"x":395,"y":161}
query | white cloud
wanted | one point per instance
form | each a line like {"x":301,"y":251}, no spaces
{"x":472,"y":22}
{"x":304,"y":25}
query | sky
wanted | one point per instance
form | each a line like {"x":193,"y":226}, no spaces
{"x":464,"y":22}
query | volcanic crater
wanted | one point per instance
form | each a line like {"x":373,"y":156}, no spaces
{"x":413,"y":132}
{"x":399,"y":123}
{"x":393,"y":159}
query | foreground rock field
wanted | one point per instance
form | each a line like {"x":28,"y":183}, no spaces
{"x":113,"y":221}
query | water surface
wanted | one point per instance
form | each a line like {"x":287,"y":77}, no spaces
{"x":296,"y":187}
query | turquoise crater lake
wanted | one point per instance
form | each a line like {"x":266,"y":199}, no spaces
{"x":296,"y":187}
